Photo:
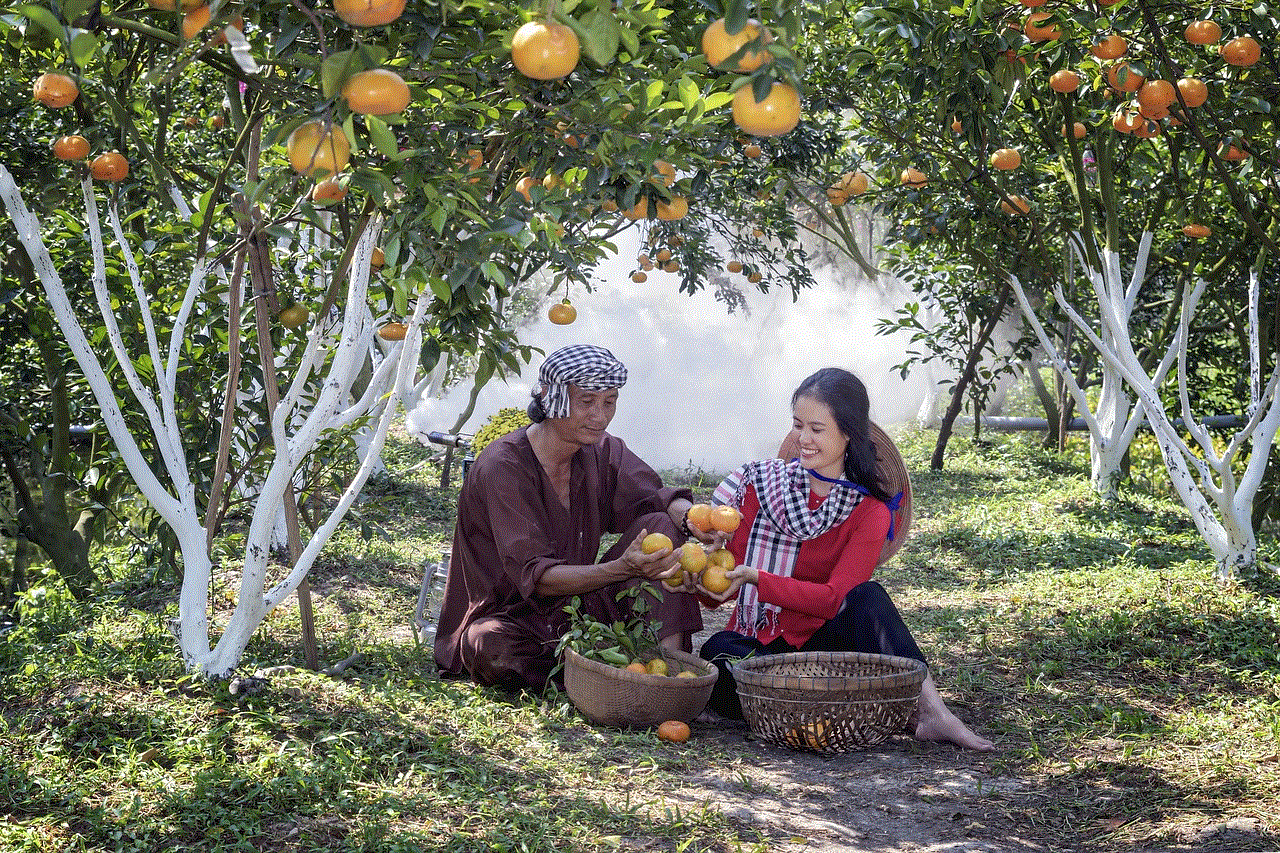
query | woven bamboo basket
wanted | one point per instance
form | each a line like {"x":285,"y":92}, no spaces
{"x":828,"y":702}
{"x":611,"y":696}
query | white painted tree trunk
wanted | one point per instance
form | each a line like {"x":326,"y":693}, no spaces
{"x":1202,"y":474}
{"x":297,"y":427}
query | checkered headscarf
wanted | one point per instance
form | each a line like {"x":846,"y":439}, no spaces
{"x":589,"y":367}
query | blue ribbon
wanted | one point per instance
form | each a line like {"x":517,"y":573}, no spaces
{"x":893,"y":503}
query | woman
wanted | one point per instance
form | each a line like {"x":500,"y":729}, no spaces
{"x":810,"y":537}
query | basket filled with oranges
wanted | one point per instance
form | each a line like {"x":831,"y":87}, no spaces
{"x":617,"y":674}
{"x":828,"y":702}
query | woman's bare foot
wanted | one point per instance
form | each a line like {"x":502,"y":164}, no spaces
{"x":933,"y":720}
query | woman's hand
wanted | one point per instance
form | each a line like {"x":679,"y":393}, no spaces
{"x":737,"y":577}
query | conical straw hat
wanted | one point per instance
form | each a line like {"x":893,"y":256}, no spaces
{"x":893,"y":476}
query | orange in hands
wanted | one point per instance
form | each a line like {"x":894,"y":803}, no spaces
{"x":725,"y":519}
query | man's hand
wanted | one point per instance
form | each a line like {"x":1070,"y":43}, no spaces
{"x":659,"y":565}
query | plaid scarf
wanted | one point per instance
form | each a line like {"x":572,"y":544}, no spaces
{"x":782,"y":525}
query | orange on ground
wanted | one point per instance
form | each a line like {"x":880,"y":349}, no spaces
{"x":777,"y":114}
{"x":71,"y":147}
{"x":55,"y":90}
{"x":368,"y":13}
{"x":674,"y":731}
{"x":545,"y":50}
{"x":562,"y":314}
{"x":318,"y":146}
{"x":718,"y":46}
{"x":378,"y":91}
{"x":109,"y":166}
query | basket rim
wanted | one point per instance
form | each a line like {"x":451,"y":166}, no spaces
{"x":911,"y":672}
{"x":572,"y":657}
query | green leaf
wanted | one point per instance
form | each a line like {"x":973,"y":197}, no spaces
{"x":601,"y":44}
{"x":630,"y":41}
{"x":44,"y":19}
{"x":383,"y":139}
{"x":688,"y":92}
{"x":334,"y":71}
{"x":84,"y":46}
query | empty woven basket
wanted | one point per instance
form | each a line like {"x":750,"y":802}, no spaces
{"x":828,"y":702}
{"x":615,"y":697}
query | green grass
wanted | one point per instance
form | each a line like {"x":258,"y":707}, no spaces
{"x":1132,"y":695}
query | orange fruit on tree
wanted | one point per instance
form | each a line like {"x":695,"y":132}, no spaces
{"x":368,"y":13}
{"x":545,"y":50}
{"x":637,"y":211}
{"x":1156,"y":95}
{"x":725,"y":518}
{"x":663,"y":255}
{"x":914,"y":178}
{"x":1036,"y":29}
{"x":71,"y":147}
{"x":1064,"y":80}
{"x":1193,"y":90}
{"x":674,"y":731}
{"x":755,"y":277}
{"x":1196,"y":231}
{"x":378,"y":258}
{"x":751,"y":151}
{"x":677,"y":208}
{"x":174,"y":5}
{"x":318,"y":146}
{"x":1202,"y":32}
{"x":524,"y":185}
{"x":377,"y":91}
{"x":393,"y":331}
{"x":1123,"y":78}
{"x":1110,"y":47}
{"x":55,"y":90}
{"x":1147,"y":127}
{"x":199,"y":17}
{"x":562,"y":314}
{"x":1015,"y":205}
{"x":1078,"y":130}
{"x":671,"y":266}
{"x":294,"y":316}
{"x":639,"y":277}
{"x":777,"y":114}
{"x":1005,"y":159}
{"x":109,"y":166}
{"x":956,"y":125}
{"x":1231,"y":153}
{"x":735,"y":267}
{"x":1241,"y":51}
{"x":330,"y":189}
{"x":655,"y":542}
{"x":1033,"y":4}
{"x":666,"y":173}
{"x":718,"y":45}
{"x":1125,"y":121}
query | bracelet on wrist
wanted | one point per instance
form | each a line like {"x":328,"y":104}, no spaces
{"x":684,"y":524}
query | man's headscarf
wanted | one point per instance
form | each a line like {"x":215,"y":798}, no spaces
{"x":589,"y":367}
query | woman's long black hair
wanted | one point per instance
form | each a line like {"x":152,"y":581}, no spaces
{"x":847,"y":398}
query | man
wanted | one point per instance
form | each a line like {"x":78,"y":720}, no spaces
{"x":531,"y":514}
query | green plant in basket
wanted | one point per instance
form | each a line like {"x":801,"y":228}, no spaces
{"x":618,"y":643}
{"x":500,"y":423}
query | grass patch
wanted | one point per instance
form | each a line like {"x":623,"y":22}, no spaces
{"x":1137,"y":700}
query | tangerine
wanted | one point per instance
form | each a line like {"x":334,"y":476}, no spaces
{"x":725,"y":518}
{"x":674,"y":731}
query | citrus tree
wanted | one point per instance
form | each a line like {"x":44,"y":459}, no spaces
{"x":357,"y":193}
{"x":1128,"y":159}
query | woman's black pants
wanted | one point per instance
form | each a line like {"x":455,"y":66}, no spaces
{"x":868,"y":623}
